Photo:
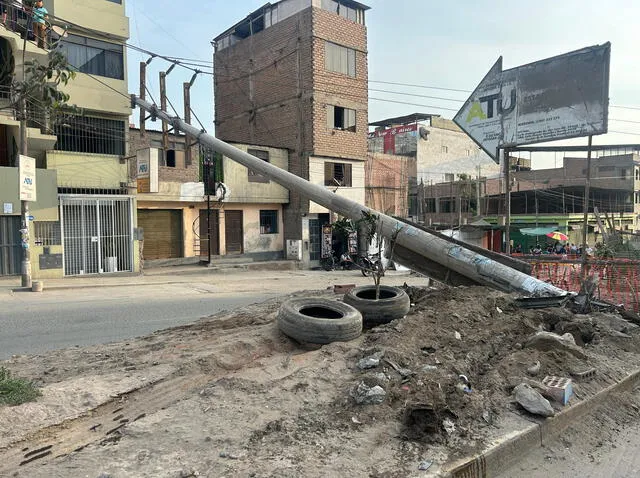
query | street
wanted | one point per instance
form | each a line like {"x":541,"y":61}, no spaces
{"x":32,"y":323}
{"x":38,"y":323}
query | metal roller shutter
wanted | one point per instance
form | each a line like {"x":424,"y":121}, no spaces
{"x":162,"y":233}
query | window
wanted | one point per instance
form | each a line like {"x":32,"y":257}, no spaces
{"x":84,"y":134}
{"x":337,"y":174}
{"x":94,"y":57}
{"x":341,"y":118}
{"x":47,"y":233}
{"x":115,"y":1}
{"x":449,"y":177}
{"x":268,"y":222}
{"x":253,"y":176}
{"x":339,"y":59}
{"x":353,"y":14}
{"x":637,"y":174}
{"x":445,"y":149}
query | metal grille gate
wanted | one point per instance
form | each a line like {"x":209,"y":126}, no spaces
{"x":10,"y":246}
{"x":97,"y":234}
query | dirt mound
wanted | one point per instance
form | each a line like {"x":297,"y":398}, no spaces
{"x":271,"y":408}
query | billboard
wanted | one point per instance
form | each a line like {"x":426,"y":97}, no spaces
{"x":399,"y":140}
{"x":566,"y":96}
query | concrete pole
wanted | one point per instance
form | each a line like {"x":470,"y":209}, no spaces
{"x":143,"y":95}
{"x":457,"y":258}
{"x":24,"y":205}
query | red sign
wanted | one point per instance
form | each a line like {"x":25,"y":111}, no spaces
{"x":394,"y":131}
{"x":389,"y":136}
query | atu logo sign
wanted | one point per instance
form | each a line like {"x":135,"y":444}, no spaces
{"x":566,"y":96}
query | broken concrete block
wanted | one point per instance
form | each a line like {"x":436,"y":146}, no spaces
{"x":558,"y":388}
{"x":532,"y":401}
{"x":371,"y":361}
{"x":365,"y":395}
{"x":546,"y":341}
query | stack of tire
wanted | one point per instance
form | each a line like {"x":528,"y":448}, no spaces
{"x":322,"y":321}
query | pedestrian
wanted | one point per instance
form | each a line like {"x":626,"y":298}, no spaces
{"x":40,"y":15}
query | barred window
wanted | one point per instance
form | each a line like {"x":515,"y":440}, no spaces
{"x":47,"y":233}
{"x":268,"y":222}
{"x":85,"y":134}
{"x":337,"y":174}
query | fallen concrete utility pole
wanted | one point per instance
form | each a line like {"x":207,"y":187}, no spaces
{"x":476,"y":267}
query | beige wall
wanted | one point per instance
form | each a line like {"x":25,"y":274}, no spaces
{"x":355,"y":192}
{"x":45,"y":208}
{"x":87,"y":170}
{"x":101,"y":15}
{"x":242,"y":191}
{"x":254,"y":241}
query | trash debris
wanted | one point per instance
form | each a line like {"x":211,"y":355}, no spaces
{"x":370,"y":362}
{"x":448,"y":426}
{"x":429,"y":368}
{"x":404,"y":372}
{"x":568,"y":338}
{"x":356,"y":421}
{"x":499,"y":310}
{"x":457,"y":335}
{"x":365,"y":395}
{"x":466,"y":384}
{"x":425,"y":465}
{"x":534,"y":369}
{"x":532,"y":401}
{"x":559,"y":388}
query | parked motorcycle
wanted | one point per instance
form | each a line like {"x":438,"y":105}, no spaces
{"x":370,"y":264}
{"x":345,"y":262}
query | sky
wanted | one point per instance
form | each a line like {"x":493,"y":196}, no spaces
{"x":446,"y":45}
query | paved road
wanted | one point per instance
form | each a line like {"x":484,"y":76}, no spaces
{"x":35,"y":323}
{"x":32,"y":323}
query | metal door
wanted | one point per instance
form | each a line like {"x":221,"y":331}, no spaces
{"x":233,"y":232}
{"x":10,"y":246}
{"x":214,"y":230}
{"x":97,"y":234}
{"x":315,"y":239}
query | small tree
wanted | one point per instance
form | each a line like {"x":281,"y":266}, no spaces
{"x":372,"y":228}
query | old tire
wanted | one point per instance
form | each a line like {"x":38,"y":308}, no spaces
{"x":393,"y":304}
{"x":319,"y":321}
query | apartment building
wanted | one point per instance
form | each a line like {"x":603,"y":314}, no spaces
{"x":293,"y":74}
{"x":89,"y":227}
{"x":422,"y":149}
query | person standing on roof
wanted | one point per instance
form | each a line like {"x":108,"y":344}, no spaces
{"x":40,"y":15}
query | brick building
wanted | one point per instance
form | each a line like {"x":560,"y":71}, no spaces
{"x":294,"y":74}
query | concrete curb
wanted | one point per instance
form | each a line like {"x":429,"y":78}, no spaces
{"x":499,"y":457}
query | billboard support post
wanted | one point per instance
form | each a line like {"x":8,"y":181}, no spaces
{"x":585,"y":207}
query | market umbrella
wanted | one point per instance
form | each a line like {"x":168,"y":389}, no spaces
{"x":557,"y":236}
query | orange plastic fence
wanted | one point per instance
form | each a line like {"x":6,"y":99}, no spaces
{"x":618,"y":279}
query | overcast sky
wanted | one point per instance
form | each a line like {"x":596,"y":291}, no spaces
{"x":437,"y":44}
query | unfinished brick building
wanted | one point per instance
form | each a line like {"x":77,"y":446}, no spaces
{"x":293,"y":74}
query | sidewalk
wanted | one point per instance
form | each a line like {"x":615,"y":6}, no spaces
{"x":150,"y":276}
{"x":176,"y":274}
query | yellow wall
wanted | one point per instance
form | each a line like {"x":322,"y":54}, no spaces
{"x":87,"y":170}
{"x":85,"y":92}
{"x":101,"y":15}
{"x":242,"y":191}
{"x":36,"y":273}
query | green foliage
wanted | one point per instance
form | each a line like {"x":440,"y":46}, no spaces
{"x":42,"y":82}
{"x":344,"y":227}
{"x":604,"y":251}
{"x":15,"y":391}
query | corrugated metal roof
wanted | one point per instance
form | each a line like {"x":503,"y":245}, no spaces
{"x":407,"y":119}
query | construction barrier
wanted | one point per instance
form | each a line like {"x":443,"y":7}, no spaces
{"x":618,"y":280}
